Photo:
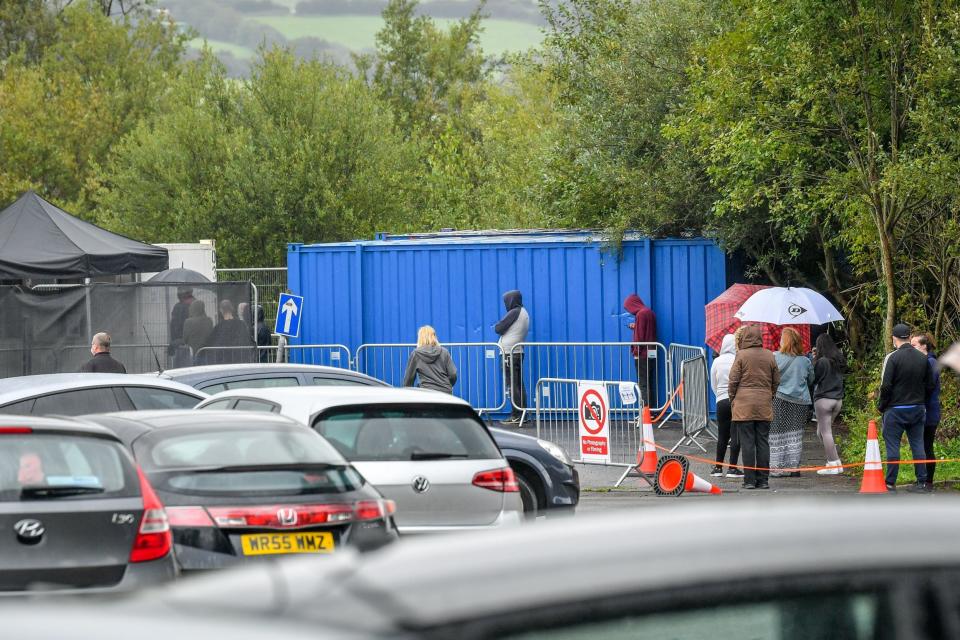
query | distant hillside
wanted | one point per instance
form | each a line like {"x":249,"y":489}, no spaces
{"x":335,"y":28}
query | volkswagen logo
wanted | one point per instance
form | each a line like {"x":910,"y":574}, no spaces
{"x":287,"y":517}
{"x":29,"y":531}
{"x":420,"y":484}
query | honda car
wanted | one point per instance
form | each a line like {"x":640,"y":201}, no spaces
{"x":240,"y":486}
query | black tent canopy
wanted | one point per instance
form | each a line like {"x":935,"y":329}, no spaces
{"x":40,"y":240}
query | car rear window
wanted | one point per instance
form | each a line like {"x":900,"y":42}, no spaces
{"x":407,"y":432}
{"x":244,"y":461}
{"x":149,"y":398}
{"x":63,"y":467}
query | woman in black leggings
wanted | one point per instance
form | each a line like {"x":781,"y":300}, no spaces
{"x":719,"y":373}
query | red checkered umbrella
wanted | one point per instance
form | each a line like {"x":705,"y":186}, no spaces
{"x":721,"y":321}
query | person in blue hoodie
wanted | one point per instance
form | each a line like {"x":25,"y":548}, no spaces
{"x":512,"y":329}
{"x":923,"y":342}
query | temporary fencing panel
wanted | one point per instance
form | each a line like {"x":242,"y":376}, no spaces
{"x":269,"y":283}
{"x":695,"y":405}
{"x":480,"y":372}
{"x":328,"y":355}
{"x":558,"y":405}
{"x":49,"y":330}
{"x":591,"y":361}
{"x":678,"y":354}
{"x":573,"y":286}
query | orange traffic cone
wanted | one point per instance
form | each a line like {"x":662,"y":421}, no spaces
{"x":647,"y":453}
{"x":873,"y":481}
{"x":674,"y":477}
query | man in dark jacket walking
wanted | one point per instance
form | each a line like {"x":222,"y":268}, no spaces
{"x":904,"y":391}
{"x":512,"y":329}
{"x":431,"y":363}
{"x":644,"y":328}
{"x":102,"y":361}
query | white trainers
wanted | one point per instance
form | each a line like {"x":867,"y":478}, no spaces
{"x":833,"y":469}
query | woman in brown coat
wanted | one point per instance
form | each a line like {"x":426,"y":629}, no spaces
{"x":754,"y":378}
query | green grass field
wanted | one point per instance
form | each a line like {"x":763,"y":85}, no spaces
{"x":357,"y":32}
{"x":218,"y":45}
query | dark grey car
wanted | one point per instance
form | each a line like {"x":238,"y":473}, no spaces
{"x":221,"y":377}
{"x":75,"y":512}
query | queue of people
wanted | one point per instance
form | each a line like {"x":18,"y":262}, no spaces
{"x":764,"y":401}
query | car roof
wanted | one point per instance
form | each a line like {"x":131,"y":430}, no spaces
{"x":172,"y":418}
{"x":23,"y":387}
{"x":316,"y":399}
{"x":439,"y":580}
{"x":214,"y":371}
{"x":55,"y":425}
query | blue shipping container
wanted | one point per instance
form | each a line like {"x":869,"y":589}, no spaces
{"x":381,"y":291}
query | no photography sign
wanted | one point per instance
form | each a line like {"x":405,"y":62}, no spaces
{"x":593,"y":416}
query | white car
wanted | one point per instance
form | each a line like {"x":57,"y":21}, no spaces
{"x":75,"y":394}
{"x":427,"y":451}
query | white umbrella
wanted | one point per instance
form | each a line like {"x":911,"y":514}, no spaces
{"x":788,"y":305}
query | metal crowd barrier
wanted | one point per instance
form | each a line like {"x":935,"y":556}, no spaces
{"x":480,"y":373}
{"x":29,"y":361}
{"x":676,"y":356}
{"x":592,"y":361}
{"x":557,"y":405}
{"x":136,"y":358}
{"x":695,"y":402}
{"x":328,"y":355}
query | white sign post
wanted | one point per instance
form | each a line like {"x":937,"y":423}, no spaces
{"x":593,"y":416}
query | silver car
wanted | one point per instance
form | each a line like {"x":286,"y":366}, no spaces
{"x":427,"y":451}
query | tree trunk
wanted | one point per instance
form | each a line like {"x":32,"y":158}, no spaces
{"x":890,"y":284}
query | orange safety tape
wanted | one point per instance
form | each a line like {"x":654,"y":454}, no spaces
{"x":666,"y":407}
{"x":845,"y":464}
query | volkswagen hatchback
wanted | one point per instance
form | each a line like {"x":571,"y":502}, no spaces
{"x":427,"y":451}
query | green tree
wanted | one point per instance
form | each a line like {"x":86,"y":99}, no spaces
{"x":806,"y":114}
{"x":303,"y":151}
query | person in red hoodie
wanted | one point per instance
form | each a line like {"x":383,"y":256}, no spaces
{"x":644,"y":328}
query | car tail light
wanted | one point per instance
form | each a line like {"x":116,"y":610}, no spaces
{"x":15,"y":430}
{"x":188,"y":517}
{"x":497,"y":480}
{"x":153,"y":539}
{"x":374,"y":509}
{"x":281,"y":516}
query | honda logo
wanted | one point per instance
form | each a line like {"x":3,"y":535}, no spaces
{"x":29,"y":531}
{"x":287,"y":517}
{"x":420,"y":484}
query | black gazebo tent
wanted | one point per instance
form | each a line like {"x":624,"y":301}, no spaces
{"x":40,"y":240}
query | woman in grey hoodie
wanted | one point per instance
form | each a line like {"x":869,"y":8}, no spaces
{"x":719,"y":374}
{"x":431,"y":363}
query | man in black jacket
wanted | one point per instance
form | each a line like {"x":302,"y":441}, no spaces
{"x":102,"y":361}
{"x":906,"y":386}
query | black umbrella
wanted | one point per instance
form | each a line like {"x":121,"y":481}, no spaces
{"x":179,"y":276}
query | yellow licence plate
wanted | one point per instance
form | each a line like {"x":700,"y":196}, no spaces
{"x":259,"y":544}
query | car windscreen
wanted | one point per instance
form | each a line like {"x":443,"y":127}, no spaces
{"x":407,"y":432}
{"x":37,"y":466}
{"x":249,"y":461}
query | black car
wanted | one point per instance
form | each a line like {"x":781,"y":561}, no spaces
{"x":75,"y":512}
{"x":549,"y":483}
{"x":221,"y":377}
{"x":239,"y":486}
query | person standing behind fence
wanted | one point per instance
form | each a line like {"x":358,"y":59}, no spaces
{"x":102,"y":361}
{"x":263,"y":336}
{"x":791,"y":406}
{"x":178,"y":317}
{"x":644,"y":328}
{"x":229,"y":334}
{"x":512,"y":329}
{"x":906,"y":386}
{"x":198,"y":327}
{"x":752,"y":385}
{"x":923,"y":342}
{"x":719,"y":374}
{"x":431,"y":363}
{"x":828,"y":369}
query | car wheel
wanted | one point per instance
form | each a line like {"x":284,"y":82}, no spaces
{"x":528,"y":495}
